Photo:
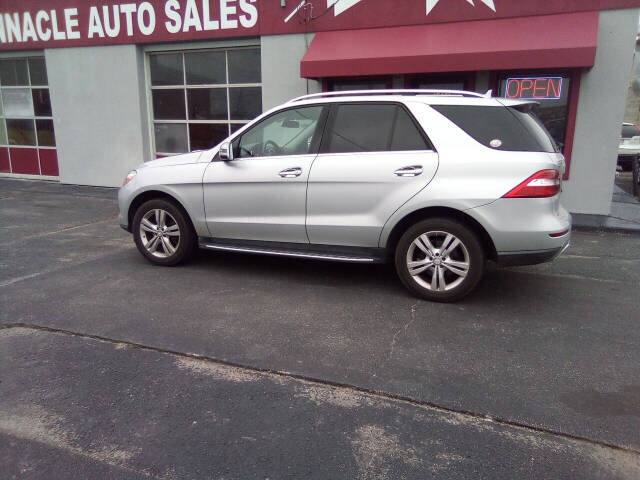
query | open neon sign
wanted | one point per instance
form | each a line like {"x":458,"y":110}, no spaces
{"x":534,"y":88}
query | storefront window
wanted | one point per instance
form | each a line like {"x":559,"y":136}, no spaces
{"x":552,"y":94}
{"x":27,"y":137}
{"x":439,"y":81}
{"x":200,"y":98}
{"x":374,"y":83}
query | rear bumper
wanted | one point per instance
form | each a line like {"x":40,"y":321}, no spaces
{"x":529,"y":258}
{"x":525,"y":226}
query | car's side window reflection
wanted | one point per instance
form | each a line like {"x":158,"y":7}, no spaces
{"x":286,"y":133}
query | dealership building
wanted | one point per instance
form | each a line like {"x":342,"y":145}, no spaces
{"x":91,"y":89}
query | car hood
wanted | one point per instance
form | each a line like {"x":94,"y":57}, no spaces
{"x":192,"y":157}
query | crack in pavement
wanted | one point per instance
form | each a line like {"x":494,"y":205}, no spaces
{"x":14,"y":280}
{"x":327,"y":383}
{"x":395,"y":336}
{"x":54,"y":232}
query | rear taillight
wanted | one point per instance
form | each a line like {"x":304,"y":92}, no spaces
{"x":545,"y":183}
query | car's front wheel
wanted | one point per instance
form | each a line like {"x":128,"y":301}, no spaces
{"x":162,"y":232}
{"x":440,"y":259}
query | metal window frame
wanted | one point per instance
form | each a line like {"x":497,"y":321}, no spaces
{"x":226,"y":46}
{"x":27,"y":55}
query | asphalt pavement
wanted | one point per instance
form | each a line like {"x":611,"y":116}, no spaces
{"x":239,"y":366}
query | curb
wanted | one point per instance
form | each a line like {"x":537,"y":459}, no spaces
{"x":607,"y":223}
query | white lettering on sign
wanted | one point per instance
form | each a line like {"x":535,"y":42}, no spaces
{"x":71,"y":23}
{"x":171,"y":11}
{"x":13,"y":27}
{"x":43,"y":32}
{"x":249,"y":17}
{"x":95,"y":24}
{"x":57,"y":34}
{"x":146,"y":11}
{"x":227,"y":12}
{"x":191,"y":17}
{"x":128,"y":9}
{"x":126,"y":19}
{"x":111,"y":30}
{"x":208,"y":24}
{"x":28,"y":28}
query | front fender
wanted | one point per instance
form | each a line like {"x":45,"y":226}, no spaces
{"x":182,"y":183}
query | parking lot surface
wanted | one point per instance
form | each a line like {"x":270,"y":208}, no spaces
{"x":239,"y":366}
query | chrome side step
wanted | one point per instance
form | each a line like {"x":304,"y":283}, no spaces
{"x":291,"y":253}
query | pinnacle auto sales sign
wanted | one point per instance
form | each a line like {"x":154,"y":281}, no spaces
{"x":28,"y":24}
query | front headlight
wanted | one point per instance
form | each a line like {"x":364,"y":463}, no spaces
{"x":129,"y":177}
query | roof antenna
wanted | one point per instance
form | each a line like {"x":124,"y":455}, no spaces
{"x":489,"y":94}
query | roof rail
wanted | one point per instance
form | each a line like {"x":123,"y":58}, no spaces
{"x":351,"y":93}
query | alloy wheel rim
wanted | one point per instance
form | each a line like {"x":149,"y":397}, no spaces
{"x":438,"y":261}
{"x":160,"y":233}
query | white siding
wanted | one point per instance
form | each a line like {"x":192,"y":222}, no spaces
{"x":281,"y":81}
{"x":98,"y":102}
{"x":601,"y":108}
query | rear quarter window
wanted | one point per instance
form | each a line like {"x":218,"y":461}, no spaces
{"x":500,"y":128}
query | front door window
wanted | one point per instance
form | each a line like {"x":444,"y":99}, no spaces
{"x":290,"y":132}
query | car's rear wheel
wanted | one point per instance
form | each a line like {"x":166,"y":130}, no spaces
{"x":440,"y":259}
{"x":163,"y":233}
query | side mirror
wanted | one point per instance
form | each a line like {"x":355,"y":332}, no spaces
{"x":226,"y":152}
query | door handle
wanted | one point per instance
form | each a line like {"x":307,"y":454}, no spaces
{"x":412,"y":171}
{"x":291,"y":172}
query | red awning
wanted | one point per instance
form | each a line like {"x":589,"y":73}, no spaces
{"x":551,"y":41}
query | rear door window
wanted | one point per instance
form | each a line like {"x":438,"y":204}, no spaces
{"x":405,"y":133}
{"x":371,"y":127}
{"x":501,"y":128}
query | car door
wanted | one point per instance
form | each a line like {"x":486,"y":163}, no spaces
{"x":261,"y":193}
{"x":373,"y":158}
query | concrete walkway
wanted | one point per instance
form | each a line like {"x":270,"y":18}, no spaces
{"x":624,"y":216}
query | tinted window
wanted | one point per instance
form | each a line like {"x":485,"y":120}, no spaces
{"x":372,"y":128}
{"x":244,"y":66}
{"x":166,"y":69}
{"x":206,"y":135}
{"x":361,"y":128}
{"x":207,"y":103}
{"x":500,"y":128}
{"x":405,"y":134}
{"x":168,"y":104}
{"x":205,"y":68}
{"x":21,"y":131}
{"x":552,"y":111}
{"x":286,"y":133}
{"x":14,"y":72}
{"x":534,"y":127}
{"x":41,"y":102}
{"x":211,"y":93}
{"x":38,"y":71}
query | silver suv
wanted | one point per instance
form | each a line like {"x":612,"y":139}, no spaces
{"x":438,"y":182}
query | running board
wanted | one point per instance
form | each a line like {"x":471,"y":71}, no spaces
{"x":309,"y":253}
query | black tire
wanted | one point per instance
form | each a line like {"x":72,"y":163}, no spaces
{"x":185,"y":244}
{"x":469,"y":256}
